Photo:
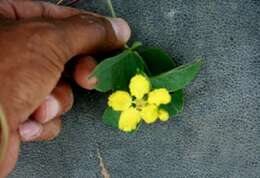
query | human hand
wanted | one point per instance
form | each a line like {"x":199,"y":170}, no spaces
{"x":37,"y":40}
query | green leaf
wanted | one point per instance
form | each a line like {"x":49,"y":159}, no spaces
{"x":111,"y":117}
{"x":176,"y":105}
{"x":114,"y":73}
{"x":177,"y":78}
{"x":157,"y":60}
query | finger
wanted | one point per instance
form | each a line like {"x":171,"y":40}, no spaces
{"x":34,"y":131}
{"x":88,"y":34}
{"x":50,"y":130}
{"x":85,"y":32}
{"x":11,"y":155}
{"x":19,"y":9}
{"x":59,"y":102}
{"x":30,"y":130}
{"x":83,"y":69}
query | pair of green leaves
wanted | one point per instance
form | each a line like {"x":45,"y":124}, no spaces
{"x":115,"y":73}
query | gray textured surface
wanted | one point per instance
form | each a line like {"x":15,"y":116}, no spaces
{"x":218,"y":135}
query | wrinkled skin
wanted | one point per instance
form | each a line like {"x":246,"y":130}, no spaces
{"x":35,"y":46}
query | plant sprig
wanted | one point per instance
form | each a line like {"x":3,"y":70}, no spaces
{"x":149,"y":67}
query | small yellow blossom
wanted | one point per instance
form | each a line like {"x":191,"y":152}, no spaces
{"x":137,"y":106}
{"x":129,"y":119}
{"x":150,"y":113}
{"x":159,"y":96}
{"x":139,"y":86}
{"x":120,"y":100}
{"x":163,"y":115}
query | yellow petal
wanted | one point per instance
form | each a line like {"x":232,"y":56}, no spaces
{"x":163,"y":115}
{"x":139,"y":86}
{"x":120,"y":100}
{"x":149,"y":113}
{"x":159,"y":96}
{"x":129,"y":120}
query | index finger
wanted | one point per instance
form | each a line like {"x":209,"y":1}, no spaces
{"x":15,"y":9}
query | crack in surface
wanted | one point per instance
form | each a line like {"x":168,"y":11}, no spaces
{"x":103,"y":170}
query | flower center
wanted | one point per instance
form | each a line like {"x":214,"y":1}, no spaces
{"x":140,"y":103}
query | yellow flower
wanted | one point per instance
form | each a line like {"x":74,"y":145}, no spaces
{"x":120,"y":100}
{"x":139,"y":86}
{"x":138,"y":106}
{"x":163,"y":115}
{"x":129,"y":119}
{"x":159,"y":96}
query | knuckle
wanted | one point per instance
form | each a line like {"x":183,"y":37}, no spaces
{"x":100,"y":25}
{"x":96,"y":24}
{"x":104,"y":26}
{"x":100,"y":28}
{"x":109,"y":36}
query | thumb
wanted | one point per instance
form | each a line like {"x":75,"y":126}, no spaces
{"x":87,"y":34}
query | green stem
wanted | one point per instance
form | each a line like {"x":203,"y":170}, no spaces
{"x":126,"y":46}
{"x":111,"y":8}
{"x":59,"y":2}
{"x":113,"y":13}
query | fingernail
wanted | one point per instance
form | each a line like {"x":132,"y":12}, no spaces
{"x":52,"y":108}
{"x":30,"y":130}
{"x":121,"y":29}
{"x":92,"y":83}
